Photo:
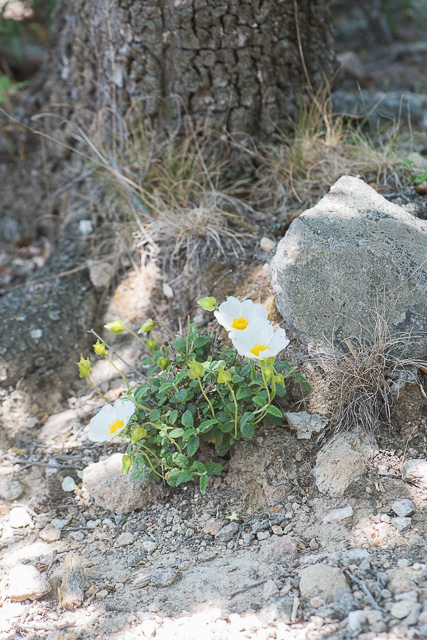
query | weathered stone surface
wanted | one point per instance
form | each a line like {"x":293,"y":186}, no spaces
{"x":341,"y":462}
{"x":338,"y":514}
{"x":25,"y":581}
{"x":50,"y":533}
{"x":113,"y":490}
{"x":415,"y":472}
{"x":342,"y":258}
{"x":10,"y":488}
{"x":403,"y":508}
{"x":19,"y":517}
{"x":227,"y":533}
{"x":164,"y":577}
{"x":305,"y":424}
{"x":279,"y":550}
{"x":321,"y":580}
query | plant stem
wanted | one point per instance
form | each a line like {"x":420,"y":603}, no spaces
{"x":151,"y":466}
{"x":117,"y":369}
{"x":265,"y":381}
{"x":135,"y":336}
{"x":206,"y":398}
{"x":166,"y":434}
{"x":235,"y":409}
{"x":187,"y":339}
{"x":97,"y":390}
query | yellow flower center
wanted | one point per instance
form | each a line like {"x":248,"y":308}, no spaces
{"x":116,"y":424}
{"x":240,"y":323}
{"x":258,"y":347}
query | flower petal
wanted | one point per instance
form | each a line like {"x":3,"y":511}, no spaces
{"x":124,"y":410}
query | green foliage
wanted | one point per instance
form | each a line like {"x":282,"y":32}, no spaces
{"x":7,"y":87}
{"x":32,"y":24}
{"x":198,"y":397}
{"x":410,"y":173}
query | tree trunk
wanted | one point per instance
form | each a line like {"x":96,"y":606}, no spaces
{"x":240,"y":63}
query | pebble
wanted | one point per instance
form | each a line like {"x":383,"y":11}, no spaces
{"x":280,"y":550}
{"x":403,"y":508}
{"x":50,"y":533}
{"x":262,"y":535}
{"x":19,"y":517}
{"x":415,"y":472}
{"x":225,"y":534}
{"x":150,"y":546}
{"x":77,"y":535}
{"x":401,"y":524}
{"x":321,"y":580}
{"x":25,"y":581}
{"x":338,"y":514}
{"x":213,"y":526}
{"x":125,"y":539}
{"x":205,"y":556}
{"x":267,"y":244}
{"x":102,"y":593}
{"x":164,"y":577}
{"x":277,"y":530}
{"x":313,"y":544}
{"x":404,"y":608}
{"x":270,"y":590}
{"x":59,"y":523}
{"x":10,"y":488}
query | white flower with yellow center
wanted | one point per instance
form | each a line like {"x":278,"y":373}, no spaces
{"x":111,"y":420}
{"x":260,"y":340}
{"x":236,"y":316}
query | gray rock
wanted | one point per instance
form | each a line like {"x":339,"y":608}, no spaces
{"x":228,"y":532}
{"x":341,"y":462}
{"x":321,"y":580}
{"x":50,"y":533}
{"x":279,"y":550}
{"x":357,"y":620}
{"x":403,"y":508}
{"x":305,"y":424}
{"x":338,"y":514}
{"x":380,"y":106}
{"x":125,"y":539}
{"x":401,"y":524}
{"x":407,"y":609}
{"x":10,"y":488}
{"x":415,"y":472}
{"x":164,"y":577}
{"x":113,"y":490}
{"x":19,"y":517}
{"x":352,"y":249}
{"x":25,"y":581}
{"x":355,"y":556}
{"x":270,"y":590}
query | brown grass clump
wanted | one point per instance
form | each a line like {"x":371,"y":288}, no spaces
{"x":361,"y":375}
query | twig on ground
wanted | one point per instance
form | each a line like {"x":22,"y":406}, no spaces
{"x":362,"y":585}
{"x":250,"y":586}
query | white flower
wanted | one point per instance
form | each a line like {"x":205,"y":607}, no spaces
{"x":68,"y":484}
{"x":111,"y":420}
{"x":260,"y":340}
{"x":236,"y":316}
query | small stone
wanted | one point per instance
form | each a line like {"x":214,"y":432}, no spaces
{"x":59,"y":523}
{"x":150,"y":546}
{"x":405,"y":608}
{"x":164,"y":577}
{"x":341,"y":462}
{"x":267,"y":244}
{"x":102,"y":593}
{"x":25,"y":581}
{"x":19,"y":517}
{"x":317,"y":602}
{"x":225,"y":534}
{"x":77,"y":535}
{"x":313,"y":544}
{"x":403,"y":508}
{"x":10,"y":488}
{"x":385,"y":518}
{"x":125,"y":539}
{"x":247,"y":538}
{"x":400,"y":581}
{"x":321,"y":580}
{"x":205,"y":556}
{"x":415,"y":472}
{"x":279,"y":550}
{"x":92,"y":524}
{"x":270,"y":590}
{"x":338,"y":514}
{"x":213,"y":526}
{"x":306,"y":424}
{"x":50,"y":533}
{"x":357,"y":620}
{"x":278,"y":531}
{"x":402,"y":563}
{"x":262,"y":535}
{"x":401,"y":524}
{"x":155,"y":607}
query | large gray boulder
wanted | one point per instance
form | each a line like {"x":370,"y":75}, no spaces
{"x":353,"y":254}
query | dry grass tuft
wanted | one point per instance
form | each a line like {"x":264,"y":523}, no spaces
{"x":361,"y":375}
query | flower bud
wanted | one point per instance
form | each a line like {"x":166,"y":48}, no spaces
{"x":100,"y":348}
{"x":116,"y":327}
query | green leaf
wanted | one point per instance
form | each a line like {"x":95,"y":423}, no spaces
{"x":247,"y":430}
{"x":138,"y":433}
{"x":259,"y":401}
{"x":226,"y":427}
{"x":181,"y":395}
{"x":274,"y":411}
{"x":155,"y":415}
{"x":208,"y":303}
{"x":176,"y":433}
{"x":193,"y":445}
{"x":253,"y":375}
{"x":280,"y":391}
{"x":188,"y":434}
{"x":172,"y":477}
{"x":212,"y":468}
{"x":139,"y":393}
{"x":237,"y":378}
{"x":180,"y":460}
{"x":147,"y":326}
{"x":173,"y":416}
{"x":152,"y":369}
{"x":199,"y":467}
{"x":187,"y":419}
{"x":206,"y":425}
{"x":243,"y":392}
{"x":203,"y":483}
{"x":197,"y":370}
{"x":304,"y":383}
{"x":184,"y":476}
{"x":248,"y":415}
{"x":201,"y":341}
{"x":246,"y":369}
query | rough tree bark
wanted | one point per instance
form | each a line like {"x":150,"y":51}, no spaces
{"x":240,"y":63}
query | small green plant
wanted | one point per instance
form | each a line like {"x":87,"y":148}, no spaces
{"x":410,"y":173}
{"x":7,"y":87}
{"x":196,"y":391}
